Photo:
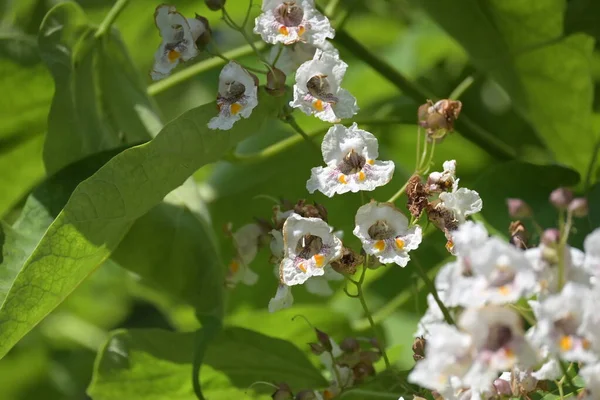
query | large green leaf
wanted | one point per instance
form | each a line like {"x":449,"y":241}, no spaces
{"x":103,"y":208}
{"x":155,"y":365}
{"x":97,"y":93}
{"x":549,"y":80}
{"x":532,"y":183}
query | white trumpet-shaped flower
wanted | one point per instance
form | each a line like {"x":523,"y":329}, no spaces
{"x":352,"y":165}
{"x":237,"y":97}
{"x":317,"y":90}
{"x":384,"y":232}
{"x":309,"y":247}
{"x":289,"y":58}
{"x":246,"y":241}
{"x":291,"y":21}
{"x":461,"y":202}
{"x":591,"y":377}
{"x":283,"y":298}
{"x":591,"y":246}
{"x":179,"y":35}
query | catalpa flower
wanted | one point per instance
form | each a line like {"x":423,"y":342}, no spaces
{"x":498,"y":344}
{"x":237,"y":97}
{"x":246,"y":241}
{"x":291,"y":21}
{"x":445,"y":180}
{"x":461,"y":202}
{"x":384,"y":232}
{"x":317,"y":90}
{"x":178,"y":39}
{"x":591,"y":246}
{"x":309,"y":247}
{"x":283,"y":298}
{"x":591,"y":377}
{"x":291,"y":57}
{"x":351,"y":158}
{"x":566,"y":324}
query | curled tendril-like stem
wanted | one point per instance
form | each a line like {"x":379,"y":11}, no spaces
{"x":304,"y":318}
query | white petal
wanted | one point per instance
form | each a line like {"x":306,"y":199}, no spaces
{"x":592,"y":252}
{"x":283,"y":299}
{"x":463,"y":202}
{"x":319,"y":286}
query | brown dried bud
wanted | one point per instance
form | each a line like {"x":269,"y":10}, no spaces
{"x":438,"y":119}
{"x":348,"y":263}
{"x":362,"y":371}
{"x":206,"y":36}
{"x":306,"y":395}
{"x":436,"y":395}
{"x":418,"y":348}
{"x":502,"y":387}
{"x":316,"y":349}
{"x":310,"y":211}
{"x":215,"y":5}
{"x":324,"y":340}
{"x":284,"y":392}
{"x":350,"y":345}
{"x":519,"y":237}
{"x":579,"y":207}
{"x":370,"y":357}
{"x":442,"y":218}
{"x":417,"y":196}
{"x":561,"y":197}
{"x":517,"y":208}
{"x":275,"y":82}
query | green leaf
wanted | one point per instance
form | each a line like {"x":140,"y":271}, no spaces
{"x":529,"y":182}
{"x":99,"y":100}
{"x":520,"y":45}
{"x":103,"y":208}
{"x":151,"y":364}
{"x":594,"y":205}
{"x":583,"y":16}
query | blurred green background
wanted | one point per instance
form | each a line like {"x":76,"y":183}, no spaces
{"x":535,"y":66}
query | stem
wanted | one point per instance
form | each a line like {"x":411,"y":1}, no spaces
{"x":363,"y":303}
{"x":566,"y":376}
{"x":278,"y":55}
{"x":562,"y":247}
{"x":291,"y":121}
{"x":434,"y":293}
{"x":242,"y":31}
{"x":187,"y":73}
{"x":425,"y":167}
{"x":336,"y":372}
{"x":110,"y":18}
{"x":247,"y":14}
{"x":466,"y":126}
{"x":417,"y":158}
{"x":399,"y":193}
{"x":218,"y":53}
{"x":462,"y":88}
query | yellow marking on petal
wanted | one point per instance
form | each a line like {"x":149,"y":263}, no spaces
{"x":319,"y":105}
{"x":450,"y":246}
{"x":328,"y":395}
{"x":371,"y":162}
{"x":234,"y":266}
{"x":361,"y":176}
{"x":319,"y":260}
{"x":342,"y":179}
{"x":283,"y":30}
{"x":566,"y":343}
{"x":379,"y":245}
{"x":504,"y":290}
{"x":301,"y":31}
{"x":173,"y":55}
{"x":302,"y":267}
{"x":399,"y":243}
{"x":235,"y":108}
{"x":586,"y":344}
{"x":509,"y":353}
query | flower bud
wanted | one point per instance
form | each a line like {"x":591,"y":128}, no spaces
{"x":517,"y":208}
{"x":551,"y":237}
{"x":350,"y":345}
{"x":561,"y":197}
{"x":275,"y":82}
{"x":215,"y":5}
{"x":316,"y":349}
{"x":518,"y":235}
{"x":362,"y":371}
{"x":579,"y":207}
{"x":284,"y":392}
{"x":418,"y":348}
{"x":502,"y":387}
{"x":306,"y":395}
{"x":324,"y":340}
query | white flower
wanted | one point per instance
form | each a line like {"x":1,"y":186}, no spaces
{"x":522,"y":379}
{"x":352,"y":165}
{"x":309,"y":246}
{"x":591,"y":377}
{"x":317,"y":90}
{"x":291,"y":57}
{"x":564,"y":321}
{"x":178,"y":40}
{"x":283,"y":298}
{"x":501,"y":274}
{"x":468,"y":237}
{"x":319,"y":285}
{"x":291,"y":21}
{"x":237,"y":96}
{"x":499,"y":344}
{"x":443,"y":181}
{"x":462,"y":202}
{"x":544,"y":260}
{"x":384,"y":232}
{"x":246,"y":241}
{"x":591,"y":246}
{"x":447,"y":359}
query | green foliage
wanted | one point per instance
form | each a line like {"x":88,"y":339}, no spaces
{"x":583,"y":16}
{"x":161,"y":360}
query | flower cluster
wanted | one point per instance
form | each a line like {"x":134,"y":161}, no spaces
{"x":487,"y":351}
